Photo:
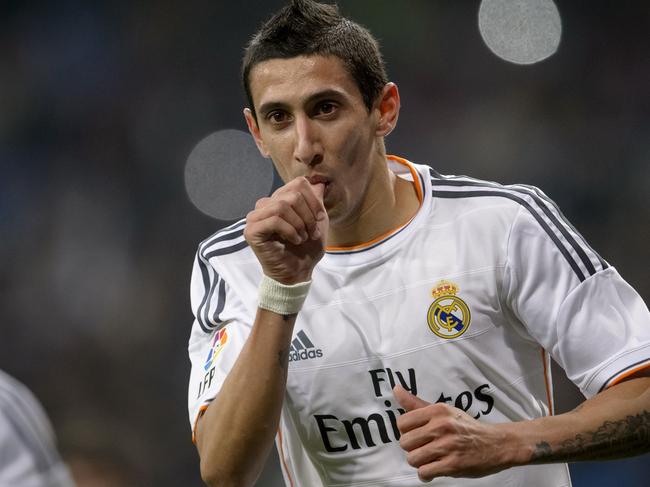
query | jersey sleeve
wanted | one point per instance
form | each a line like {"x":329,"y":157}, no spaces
{"x":28,"y":452}
{"x":220,"y":329}
{"x":572,"y":302}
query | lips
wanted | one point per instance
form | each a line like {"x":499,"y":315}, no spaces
{"x":317,"y":179}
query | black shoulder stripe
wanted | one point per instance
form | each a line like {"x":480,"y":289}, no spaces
{"x":221,"y":301}
{"x":211,"y":279}
{"x":543,"y":204}
{"x":525,"y":204}
{"x":227,"y":250}
{"x":206,"y":312}
{"x":550,"y":202}
{"x":421,"y":183}
{"x":231,"y":232}
{"x":207,"y":325}
{"x":205,"y":275}
{"x":435,"y":174}
{"x":224,"y":237}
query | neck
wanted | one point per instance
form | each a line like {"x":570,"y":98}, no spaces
{"x":390,"y":202}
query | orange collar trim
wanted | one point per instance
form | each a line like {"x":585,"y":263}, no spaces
{"x":420,"y":193}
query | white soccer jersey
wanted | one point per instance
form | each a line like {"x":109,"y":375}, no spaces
{"x":28,"y":455}
{"x":463,"y":304}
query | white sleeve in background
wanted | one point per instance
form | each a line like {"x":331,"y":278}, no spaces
{"x":573,"y":303}
{"x":28,"y":454}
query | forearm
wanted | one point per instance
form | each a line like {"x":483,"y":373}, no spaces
{"x":236,"y":433}
{"x":613,"y":424}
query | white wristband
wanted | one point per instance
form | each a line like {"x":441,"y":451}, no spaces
{"x":284,"y":299}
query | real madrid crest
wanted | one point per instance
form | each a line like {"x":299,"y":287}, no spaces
{"x":448,"y":315}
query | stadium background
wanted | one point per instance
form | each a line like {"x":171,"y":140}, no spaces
{"x":102,"y":102}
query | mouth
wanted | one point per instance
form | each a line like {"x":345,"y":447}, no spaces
{"x":317,"y":179}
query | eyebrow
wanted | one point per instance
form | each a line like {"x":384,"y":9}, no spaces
{"x":328,"y":93}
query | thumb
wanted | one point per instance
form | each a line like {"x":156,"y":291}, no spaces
{"x":318,"y":190}
{"x":407,"y":400}
{"x":323,"y":220}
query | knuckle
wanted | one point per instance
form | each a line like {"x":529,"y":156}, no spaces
{"x":275,"y":221}
{"x":431,"y":410}
{"x":295,"y":197}
{"x":439,"y":408}
{"x":412,"y":460}
{"x":424,"y":476}
{"x":261,"y":203}
{"x":446,"y":426}
{"x":282,"y":204}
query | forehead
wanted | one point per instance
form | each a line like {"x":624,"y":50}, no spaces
{"x":291,"y":80}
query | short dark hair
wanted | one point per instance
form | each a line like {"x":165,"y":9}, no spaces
{"x":306,"y":27}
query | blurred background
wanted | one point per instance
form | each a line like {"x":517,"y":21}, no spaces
{"x":102,"y":102}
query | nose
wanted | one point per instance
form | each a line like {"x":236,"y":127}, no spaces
{"x":307,"y":148}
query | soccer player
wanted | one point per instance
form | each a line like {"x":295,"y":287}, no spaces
{"x":386,"y":324}
{"x":28,"y":455}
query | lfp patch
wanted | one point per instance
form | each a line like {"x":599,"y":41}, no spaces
{"x":448,"y":316}
{"x":218,"y":342}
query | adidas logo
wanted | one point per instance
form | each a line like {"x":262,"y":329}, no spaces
{"x":303,"y":349}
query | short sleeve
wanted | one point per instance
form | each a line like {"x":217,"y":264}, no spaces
{"x":220,"y":329}
{"x":572,"y":302}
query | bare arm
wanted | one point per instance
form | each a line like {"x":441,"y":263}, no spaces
{"x":443,"y":441}
{"x":613,"y":424}
{"x":236,"y":433}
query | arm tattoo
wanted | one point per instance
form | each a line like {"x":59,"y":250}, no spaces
{"x":282,"y":359}
{"x":614,"y":439}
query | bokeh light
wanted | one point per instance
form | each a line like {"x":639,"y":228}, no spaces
{"x":225,"y":175}
{"x":520,"y":31}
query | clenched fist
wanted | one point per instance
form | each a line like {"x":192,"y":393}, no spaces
{"x":442,"y":441}
{"x":287,"y":231}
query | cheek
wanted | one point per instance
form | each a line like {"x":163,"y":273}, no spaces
{"x":353,"y":145}
{"x":281,"y":156}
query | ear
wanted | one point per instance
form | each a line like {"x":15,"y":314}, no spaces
{"x":388,"y":106}
{"x":255,"y":132}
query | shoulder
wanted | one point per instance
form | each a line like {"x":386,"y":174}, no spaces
{"x":520,"y":198}
{"x":536,"y":216}
{"x":226,"y":241}
{"x":14,"y":394}
{"x":466,"y":187}
{"x":27,"y":421}
{"x":225,"y":267}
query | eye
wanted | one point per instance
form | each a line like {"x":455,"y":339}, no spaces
{"x":277,"y":116}
{"x":326,"y":108}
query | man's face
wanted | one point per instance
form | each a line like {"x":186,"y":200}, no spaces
{"x":312,"y":121}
